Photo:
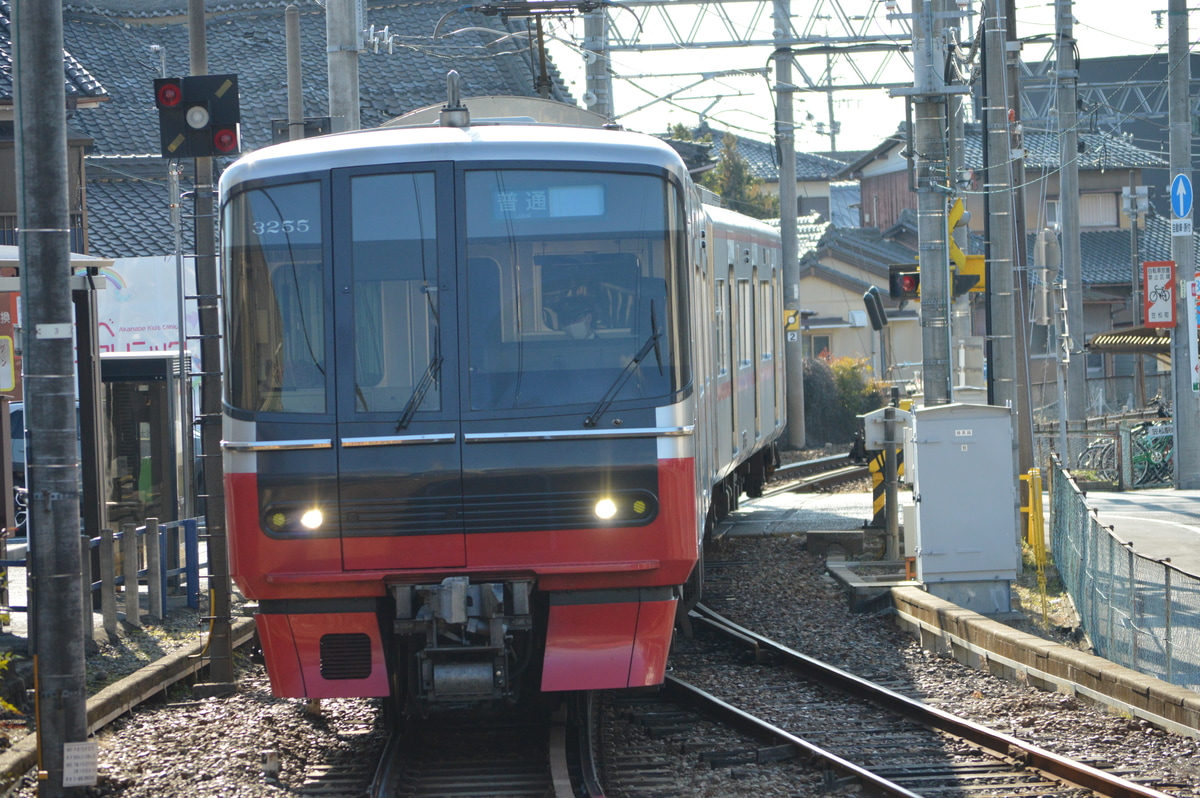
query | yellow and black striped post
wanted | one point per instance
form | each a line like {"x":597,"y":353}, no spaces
{"x":879,"y":486}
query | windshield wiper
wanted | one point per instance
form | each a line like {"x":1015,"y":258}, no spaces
{"x":418,"y":394}
{"x":611,"y":394}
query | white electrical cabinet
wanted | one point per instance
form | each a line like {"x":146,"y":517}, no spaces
{"x":966,"y":494}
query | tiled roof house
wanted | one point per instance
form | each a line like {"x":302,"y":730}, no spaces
{"x":814,"y":173}
{"x":126,"y":44}
{"x":1106,"y":163}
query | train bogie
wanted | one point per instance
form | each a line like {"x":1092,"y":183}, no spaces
{"x":487,"y":386}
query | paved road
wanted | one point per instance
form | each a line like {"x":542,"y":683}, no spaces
{"x":1160,"y":523}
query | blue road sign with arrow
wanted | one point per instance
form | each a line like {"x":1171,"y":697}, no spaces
{"x":1181,"y":196}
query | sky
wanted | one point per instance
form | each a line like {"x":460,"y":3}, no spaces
{"x":744,"y":104}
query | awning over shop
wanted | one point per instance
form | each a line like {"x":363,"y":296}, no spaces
{"x":1132,"y":341}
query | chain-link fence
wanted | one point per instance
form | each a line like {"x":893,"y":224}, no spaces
{"x":1140,"y":613}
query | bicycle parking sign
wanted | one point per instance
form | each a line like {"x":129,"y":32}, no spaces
{"x":1158,"y":297}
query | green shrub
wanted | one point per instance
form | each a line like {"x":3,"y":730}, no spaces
{"x":836,"y":392}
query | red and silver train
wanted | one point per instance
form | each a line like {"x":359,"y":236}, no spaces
{"x":487,"y":387}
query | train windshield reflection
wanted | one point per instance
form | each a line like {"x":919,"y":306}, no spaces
{"x":567,"y":277}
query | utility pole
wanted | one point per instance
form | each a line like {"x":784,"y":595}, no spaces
{"x":1186,"y":408}
{"x":1068,"y":206}
{"x":785,"y":136}
{"x":295,"y":87}
{"x":1001,"y":230}
{"x":929,"y":146}
{"x":342,"y":30}
{"x":1023,"y":403}
{"x":598,"y":96}
{"x":1136,"y":203}
{"x":53,"y":465}
{"x":220,"y":644}
{"x":960,"y":308}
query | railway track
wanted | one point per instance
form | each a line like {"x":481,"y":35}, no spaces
{"x":814,"y":475}
{"x":891,"y":744}
{"x":532,"y":753}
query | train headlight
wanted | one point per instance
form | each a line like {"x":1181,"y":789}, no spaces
{"x":312,"y":519}
{"x":606,"y":509}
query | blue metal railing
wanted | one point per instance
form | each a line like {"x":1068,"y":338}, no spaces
{"x":188,"y":568}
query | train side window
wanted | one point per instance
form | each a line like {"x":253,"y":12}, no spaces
{"x":766,"y":337}
{"x":745,"y":330}
{"x":722,"y":327}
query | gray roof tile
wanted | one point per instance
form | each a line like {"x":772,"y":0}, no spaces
{"x":126,"y":194}
{"x":79,"y":82}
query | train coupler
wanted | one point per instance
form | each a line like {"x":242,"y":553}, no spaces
{"x":462,"y":634}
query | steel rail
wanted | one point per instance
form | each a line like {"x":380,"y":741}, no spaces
{"x":809,"y":475}
{"x":1002,"y":745}
{"x":689,"y":694}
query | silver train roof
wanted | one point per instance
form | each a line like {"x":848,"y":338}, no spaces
{"x":477,"y":142}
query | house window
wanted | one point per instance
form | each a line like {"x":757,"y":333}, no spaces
{"x":1098,"y":210}
{"x":1052,"y":220}
{"x":817,"y":345}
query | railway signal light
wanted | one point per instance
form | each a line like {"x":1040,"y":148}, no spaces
{"x":875,"y":312}
{"x":198,"y":115}
{"x":904,"y":281}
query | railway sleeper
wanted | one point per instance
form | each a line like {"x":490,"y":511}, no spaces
{"x":461,"y":637}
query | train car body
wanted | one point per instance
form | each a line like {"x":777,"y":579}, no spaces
{"x":485,"y":385}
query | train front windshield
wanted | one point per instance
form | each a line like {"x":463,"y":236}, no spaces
{"x":571,"y":291}
{"x":567,"y":289}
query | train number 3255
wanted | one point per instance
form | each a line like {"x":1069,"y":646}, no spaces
{"x":275,"y":227}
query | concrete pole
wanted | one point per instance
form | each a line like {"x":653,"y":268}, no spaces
{"x":53,"y":465}
{"x":960,"y":308}
{"x":1186,"y":407}
{"x":220,"y":645}
{"x":599,"y":96}
{"x":1021,"y":293}
{"x":1068,"y":207}
{"x":295,"y":84}
{"x":1001,"y":233}
{"x":785,"y":135}
{"x":341,"y":35}
{"x":929,"y":142}
{"x":1135,"y":292}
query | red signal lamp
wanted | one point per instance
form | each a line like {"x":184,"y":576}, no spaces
{"x":168,"y":93}
{"x":904,"y":282}
{"x":225,"y":140}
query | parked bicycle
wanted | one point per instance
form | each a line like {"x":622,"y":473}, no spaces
{"x":1100,"y":458}
{"x":1151,"y":455}
{"x":1153,"y":446}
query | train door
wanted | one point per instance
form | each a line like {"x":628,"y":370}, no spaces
{"x":757,"y":319}
{"x":743,"y":392}
{"x":397,"y":397}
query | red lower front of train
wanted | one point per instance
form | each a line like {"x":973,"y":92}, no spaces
{"x":557,"y":609}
